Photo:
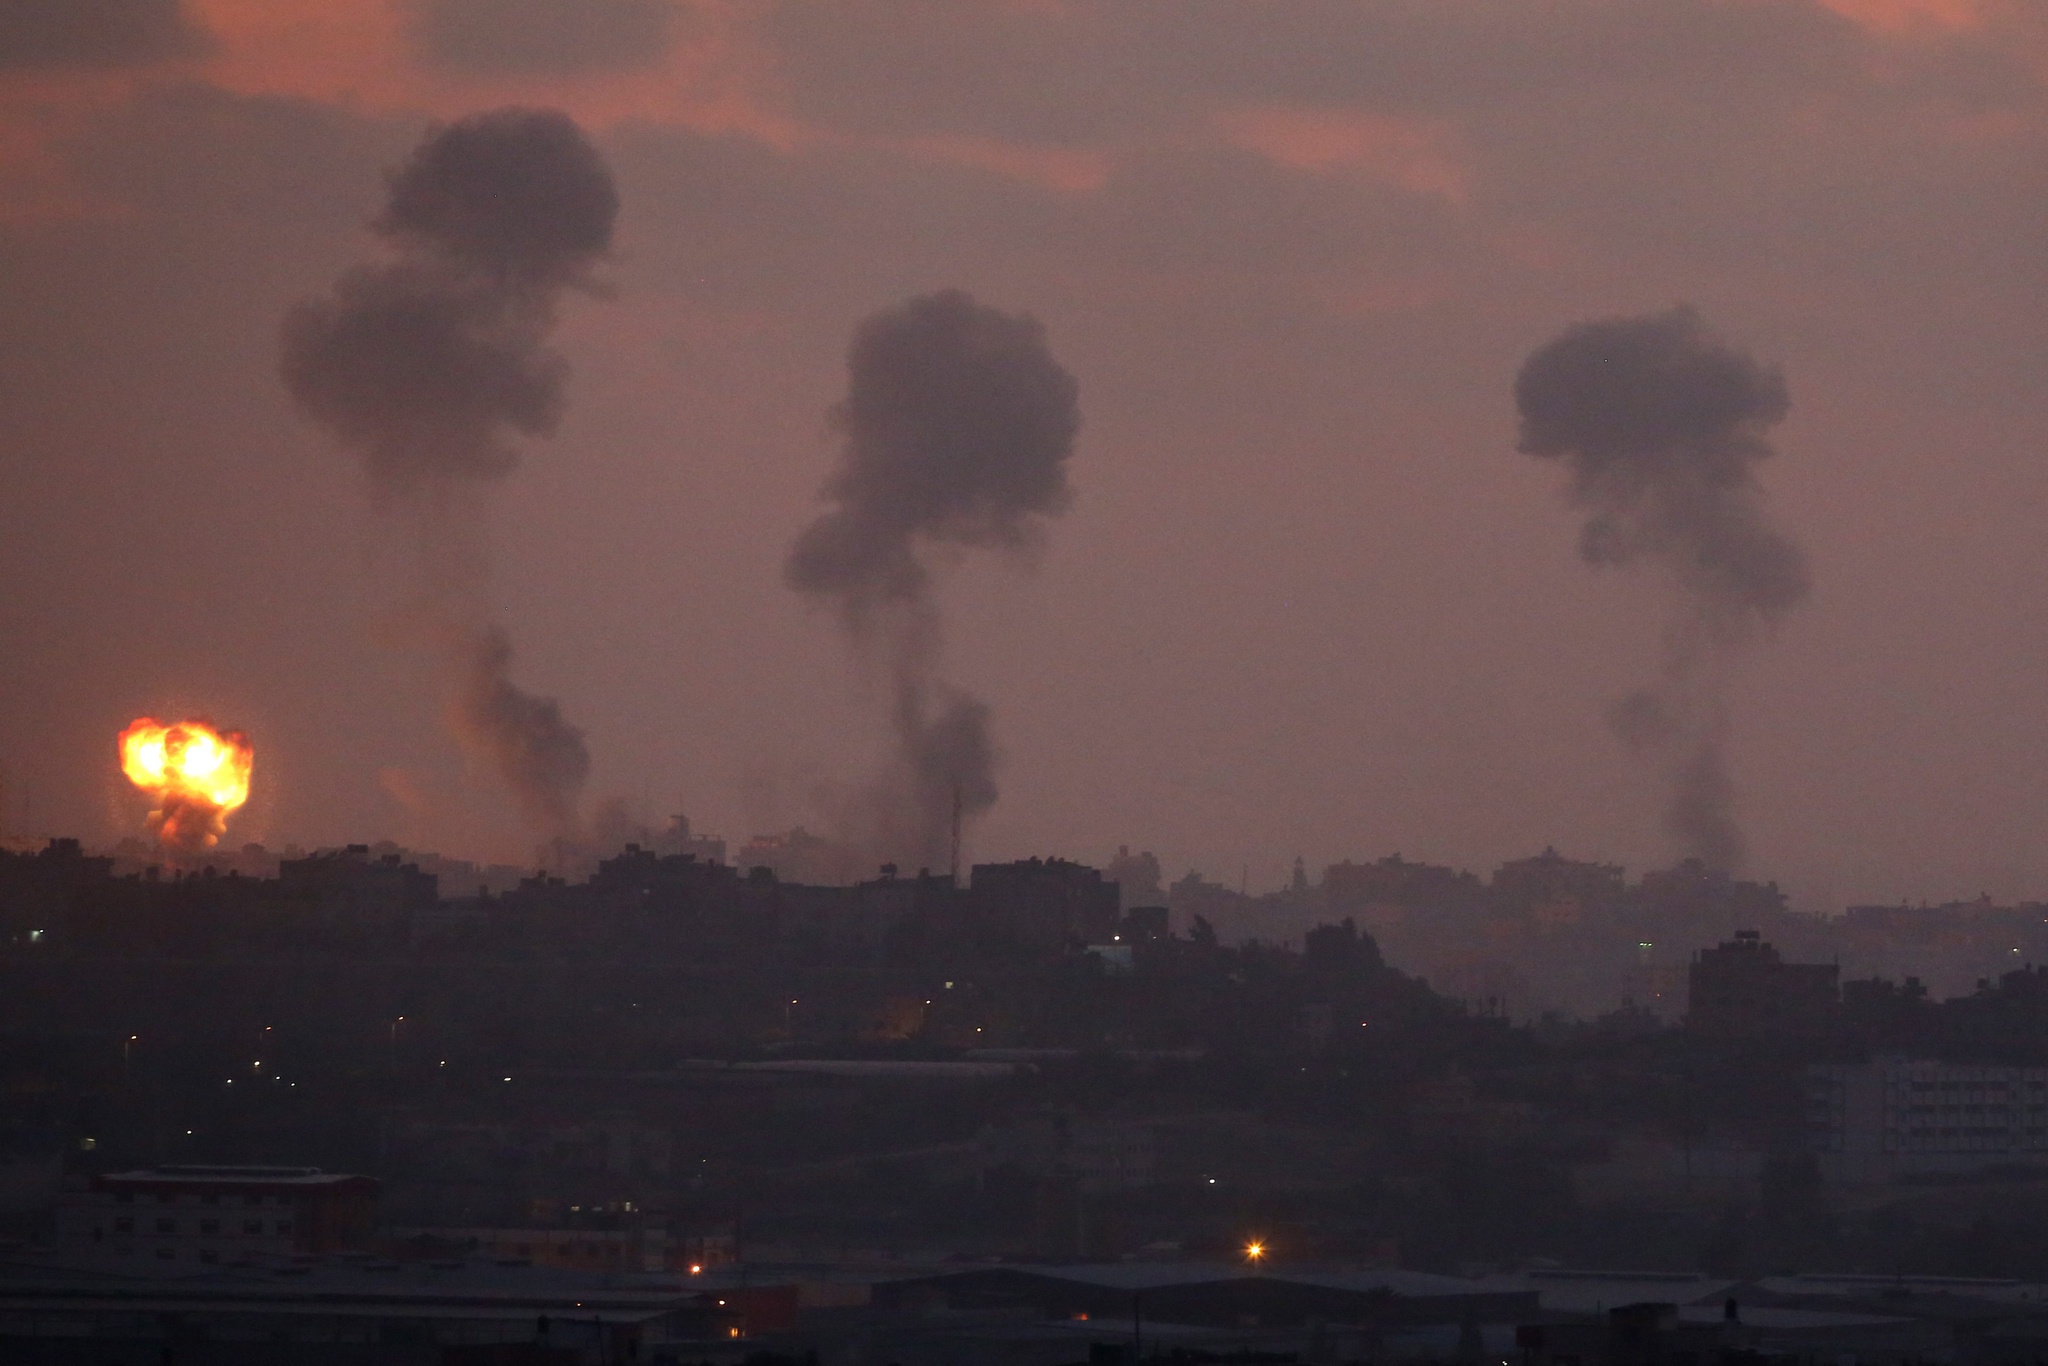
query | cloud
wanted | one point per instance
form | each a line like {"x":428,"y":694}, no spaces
{"x":39,"y":35}
{"x":542,"y":37}
{"x":1900,"y":16}
{"x":1414,"y":155}
{"x":1065,"y":170}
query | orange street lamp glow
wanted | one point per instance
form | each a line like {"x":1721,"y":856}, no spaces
{"x":1254,"y":1252}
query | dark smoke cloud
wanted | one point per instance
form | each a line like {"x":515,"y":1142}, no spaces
{"x":542,"y":37}
{"x":91,"y":34}
{"x":429,"y":364}
{"x":424,"y":375}
{"x":519,"y":194}
{"x":1661,"y":426}
{"x":958,"y":426}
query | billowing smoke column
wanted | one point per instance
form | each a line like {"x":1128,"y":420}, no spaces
{"x":1662,"y":425}
{"x":428,"y":363}
{"x":958,"y":426}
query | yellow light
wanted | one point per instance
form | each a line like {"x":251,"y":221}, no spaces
{"x":1254,"y":1251}
{"x":696,"y":1270}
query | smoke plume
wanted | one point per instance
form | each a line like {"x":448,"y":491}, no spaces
{"x":1661,"y":426}
{"x":429,"y":363}
{"x":526,"y":738}
{"x":958,"y":425}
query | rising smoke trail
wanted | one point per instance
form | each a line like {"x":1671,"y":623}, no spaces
{"x":427,"y":364}
{"x":958,"y":426}
{"x":1661,"y":425}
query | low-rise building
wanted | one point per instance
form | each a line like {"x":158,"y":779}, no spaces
{"x":215,"y":1214}
{"x":1894,"y":1115}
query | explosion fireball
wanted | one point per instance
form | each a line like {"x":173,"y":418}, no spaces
{"x":197,"y":774}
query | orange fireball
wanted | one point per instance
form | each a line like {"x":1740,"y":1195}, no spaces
{"x":197,"y":774}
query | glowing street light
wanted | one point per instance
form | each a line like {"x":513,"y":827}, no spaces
{"x":1255,"y":1252}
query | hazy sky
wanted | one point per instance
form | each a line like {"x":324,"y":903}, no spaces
{"x":1308,"y":598}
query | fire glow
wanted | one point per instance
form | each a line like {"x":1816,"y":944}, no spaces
{"x":198,"y":775}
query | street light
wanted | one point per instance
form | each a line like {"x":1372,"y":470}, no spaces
{"x":1255,"y":1252}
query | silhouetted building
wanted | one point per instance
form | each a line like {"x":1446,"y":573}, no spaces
{"x":800,"y":856}
{"x":1557,"y":891}
{"x":1744,"y":989}
{"x":351,"y":889}
{"x":1046,"y":903}
{"x":1366,"y":890}
{"x":37,"y":890}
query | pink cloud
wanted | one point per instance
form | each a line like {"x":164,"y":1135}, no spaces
{"x":1898,"y":16}
{"x":1061,"y":169}
{"x":358,"y":54}
{"x":1418,"y":156}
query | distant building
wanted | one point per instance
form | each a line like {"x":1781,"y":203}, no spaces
{"x":1380,"y":893}
{"x":1893,"y":1116}
{"x":797,"y":855}
{"x":1146,"y":922}
{"x":1138,"y":874}
{"x":1046,"y":903}
{"x":213,"y":1214}
{"x":1744,"y":989}
{"x":680,"y":840}
{"x":1690,"y":889}
{"x":352,"y":889}
{"x":37,"y":890}
{"x":1557,"y":887}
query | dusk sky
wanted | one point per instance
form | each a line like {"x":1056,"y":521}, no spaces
{"x":1307,"y":597}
